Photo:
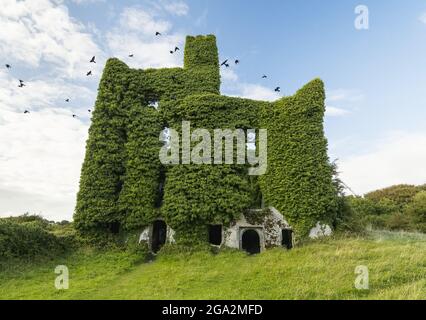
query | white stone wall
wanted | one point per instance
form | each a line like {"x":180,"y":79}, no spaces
{"x":269,"y":230}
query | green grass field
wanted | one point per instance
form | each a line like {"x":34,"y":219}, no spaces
{"x":320,"y":270}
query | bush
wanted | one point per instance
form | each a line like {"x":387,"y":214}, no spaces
{"x":27,"y":240}
{"x":416,"y":210}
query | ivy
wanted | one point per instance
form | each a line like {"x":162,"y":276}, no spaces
{"x":298,"y":181}
{"x":121,"y":174}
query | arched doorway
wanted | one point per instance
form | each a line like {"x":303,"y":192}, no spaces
{"x":159,"y":234}
{"x":250,"y":241}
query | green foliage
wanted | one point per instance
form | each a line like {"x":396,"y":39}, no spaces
{"x":121,"y":174}
{"x":400,"y":195}
{"x":27,"y":240}
{"x":198,"y":195}
{"x":298,"y":181}
{"x":417,"y":211}
{"x":104,"y":164}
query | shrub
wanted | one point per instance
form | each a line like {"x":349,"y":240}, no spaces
{"x":417,"y":211}
{"x":27,"y":240}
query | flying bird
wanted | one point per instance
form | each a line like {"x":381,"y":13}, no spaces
{"x":67,"y":100}
{"x":277,"y":89}
{"x":176,"y":49}
{"x":89,"y":110}
{"x":93,"y":60}
{"x":158,"y":33}
{"x":227,"y":65}
{"x":224,"y":63}
{"x":131,"y":55}
{"x":89,"y":73}
{"x":8,"y":66}
{"x":26,"y":111}
{"x":237,"y":61}
{"x":21,"y":84}
{"x":171,"y":51}
{"x":74,"y":116}
{"x":264,"y":76}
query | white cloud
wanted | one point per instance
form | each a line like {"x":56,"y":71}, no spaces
{"x":232,"y":86}
{"x":422,"y":18}
{"x":178,"y":8}
{"x":40,"y":160}
{"x":32,"y":32}
{"x":335,"y":112}
{"x":398,"y":158}
{"x":135,"y":34}
{"x":86,"y":1}
{"x":344,"y":97}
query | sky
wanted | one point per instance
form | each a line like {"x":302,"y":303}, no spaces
{"x":375,"y":80}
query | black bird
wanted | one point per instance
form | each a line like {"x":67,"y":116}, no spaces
{"x":131,"y":55}
{"x":171,"y":51}
{"x":158,"y":33}
{"x":67,"y":100}
{"x":227,"y":65}
{"x":224,"y":63}
{"x":93,"y":60}
{"x":21,"y":84}
{"x":237,"y":61}
{"x":74,"y":116}
{"x":176,"y":49}
{"x":277,"y":89}
{"x":26,"y":111}
{"x":89,"y":73}
{"x":264,"y":76}
{"x":89,"y":110}
{"x":8,"y":66}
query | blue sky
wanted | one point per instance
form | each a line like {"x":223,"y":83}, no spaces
{"x":374,"y":78}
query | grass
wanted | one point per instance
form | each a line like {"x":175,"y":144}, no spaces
{"x":317,"y":270}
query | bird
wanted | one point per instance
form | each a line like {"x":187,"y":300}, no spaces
{"x":89,"y":110}
{"x":224,"y":63}
{"x":237,"y":61}
{"x":171,"y":51}
{"x":21,"y":84}
{"x":67,"y":100}
{"x":227,"y":65}
{"x":277,"y":89}
{"x":158,"y":33}
{"x":89,"y":73}
{"x":93,"y":60}
{"x":264,"y":76}
{"x":74,"y":116}
{"x":176,"y":49}
{"x":131,"y":55}
{"x":26,"y":111}
{"x":8,"y":66}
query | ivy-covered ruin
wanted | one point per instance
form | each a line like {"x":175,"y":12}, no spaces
{"x":125,"y":188}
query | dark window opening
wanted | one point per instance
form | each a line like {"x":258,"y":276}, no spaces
{"x":251,"y":241}
{"x":160,"y":194}
{"x":114,"y":227}
{"x":159,"y":234}
{"x":215,"y":235}
{"x":287,"y":238}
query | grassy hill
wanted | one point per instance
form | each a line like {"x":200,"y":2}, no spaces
{"x":318,"y":270}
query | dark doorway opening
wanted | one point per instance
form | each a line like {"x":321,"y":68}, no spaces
{"x":159,"y":234}
{"x":215,"y":235}
{"x":287,"y":238}
{"x":251,"y":241}
{"x":114,"y":227}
